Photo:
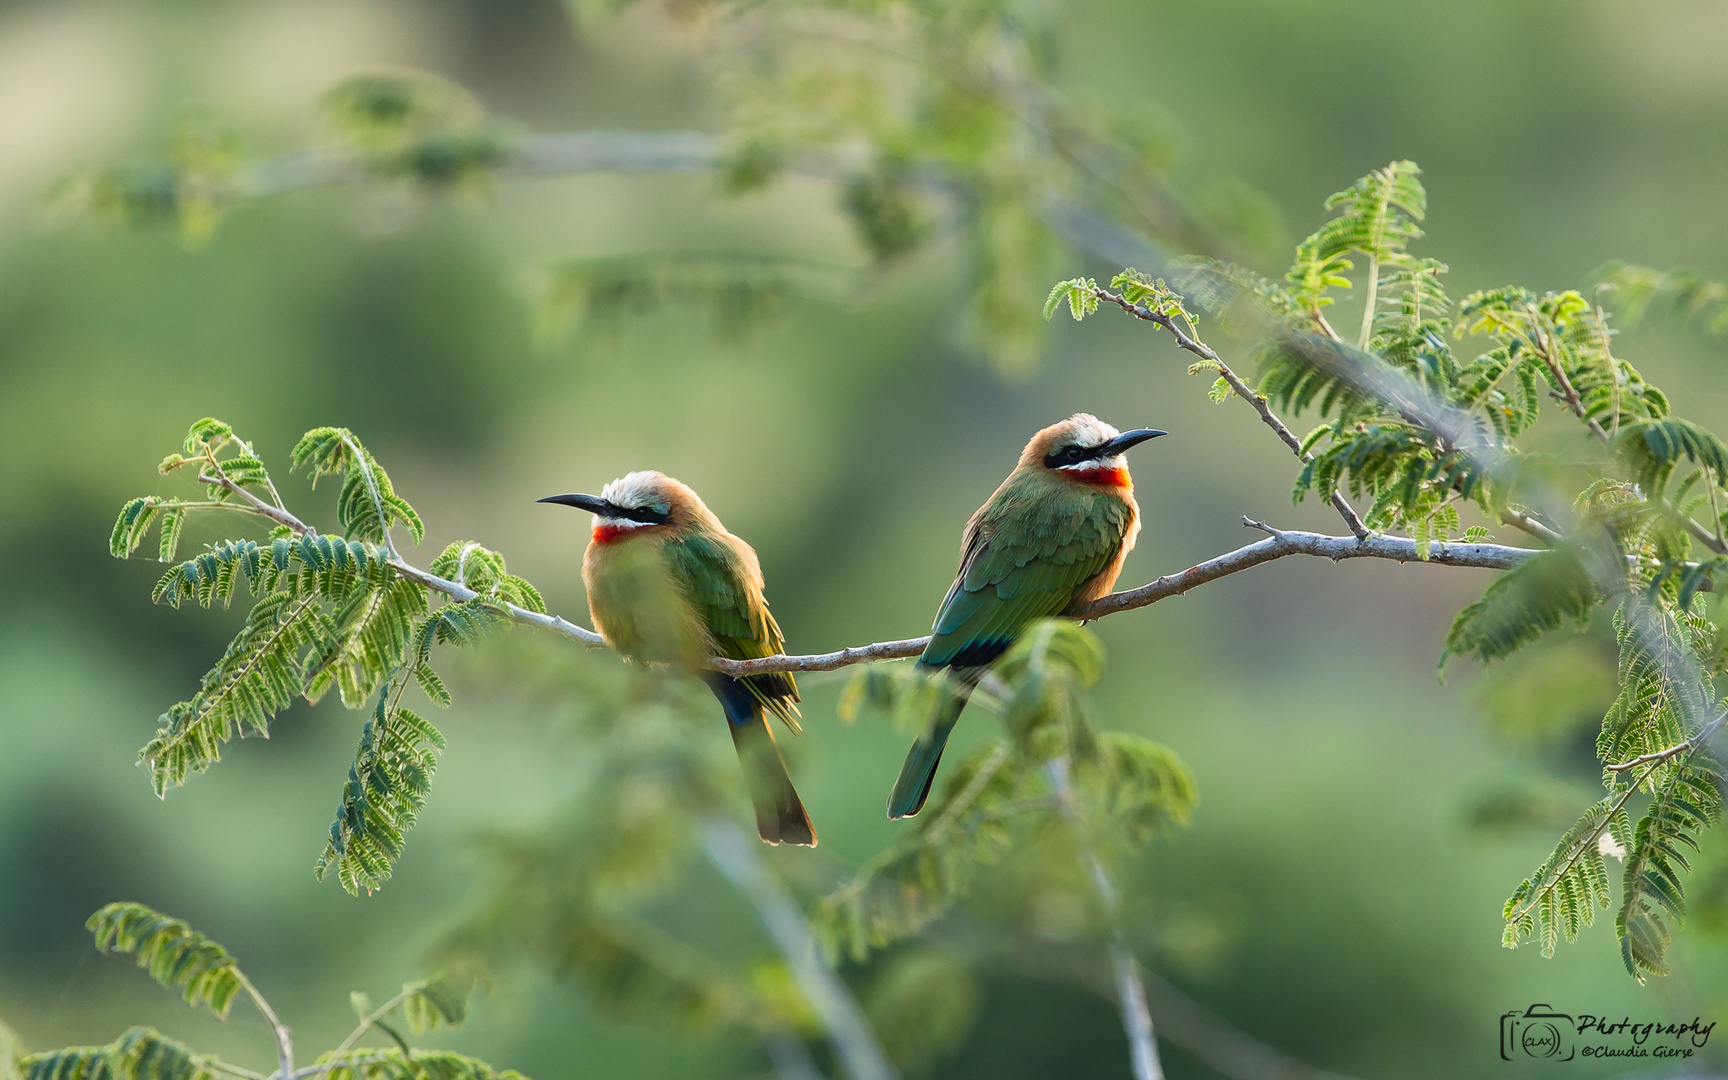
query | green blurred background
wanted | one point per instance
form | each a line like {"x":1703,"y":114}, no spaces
{"x":1331,"y":898}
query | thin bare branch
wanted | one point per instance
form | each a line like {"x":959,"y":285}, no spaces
{"x":1188,"y":342}
{"x":855,"y":1044}
{"x":1704,"y":536}
{"x":452,"y":589}
{"x":1282,"y":543}
{"x":1124,"y":968}
{"x":567,"y":153}
{"x":1276,"y":546}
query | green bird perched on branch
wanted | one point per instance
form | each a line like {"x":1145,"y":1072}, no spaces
{"x":1051,"y":538}
{"x":668,"y":584}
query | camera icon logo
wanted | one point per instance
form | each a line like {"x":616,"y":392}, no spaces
{"x":1538,"y":1032}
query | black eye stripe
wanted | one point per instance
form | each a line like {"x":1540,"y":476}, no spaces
{"x":1071,"y":455}
{"x":644,"y":514}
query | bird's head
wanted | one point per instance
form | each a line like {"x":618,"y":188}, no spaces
{"x":641,"y":500}
{"x":1084,"y":449}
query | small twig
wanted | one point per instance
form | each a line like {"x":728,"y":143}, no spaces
{"x":1710,"y":482}
{"x":1372,"y":300}
{"x":1181,"y":1020}
{"x":1130,"y":991}
{"x":1649,"y":763}
{"x":1545,"y":349}
{"x":234,"y":1070}
{"x":366,"y":1023}
{"x":396,"y":1037}
{"x":737,"y":859}
{"x":284,"y":1043}
{"x":1607,"y":350}
{"x":1188,"y":342}
{"x":372,"y":491}
{"x":1699,"y":533}
{"x":1519,"y":519}
{"x":1658,"y":756}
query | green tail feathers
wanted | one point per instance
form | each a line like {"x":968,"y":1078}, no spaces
{"x":916,"y":776}
{"x":780,"y":816}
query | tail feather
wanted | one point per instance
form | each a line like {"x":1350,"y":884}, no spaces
{"x":780,"y":814}
{"x":913,"y":787}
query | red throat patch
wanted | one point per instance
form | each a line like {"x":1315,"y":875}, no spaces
{"x":605,"y":534}
{"x":1116,"y":478}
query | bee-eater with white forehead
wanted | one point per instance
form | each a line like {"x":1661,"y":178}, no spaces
{"x":667,"y":583}
{"x":1050,"y":539}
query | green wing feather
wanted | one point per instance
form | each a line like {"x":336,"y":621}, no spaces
{"x":717,"y":584}
{"x":1023,"y":563}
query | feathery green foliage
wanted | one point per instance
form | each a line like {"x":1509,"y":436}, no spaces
{"x":173,"y":953}
{"x":180,"y":958}
{"x":1564,"y":893}
{"x":368,"y":507}
{"x":1128,"y":789}
{"x":738,"y":292}
{"x":187,"y":189}
{"x":325,"y":612}
{"x":922,"y":1004}
{"x":440,"y":1002}
{"x":386,"y":789}
{"x":580,"y":896}
{"x":418,"y":127}
{"x":968,"y":824}
{"x":1654,"y":449}
{"x":140,"y":1054}
{"x":1534,"y":598}
{"x":393,"y":1063}
{"x":1688,"y":802}
{"x":1684,"y":291}
{"x":1426,"y":434}
{"x":934,"y":125}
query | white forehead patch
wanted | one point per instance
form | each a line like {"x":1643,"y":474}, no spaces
{"x":1091,"y":431}
{"x":638,"y":489}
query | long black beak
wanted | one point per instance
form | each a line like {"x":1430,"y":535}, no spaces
{"x":1127,"y":439}
{"x":591,"y":503}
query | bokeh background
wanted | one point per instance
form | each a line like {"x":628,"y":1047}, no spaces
{"x":1336,"y":896}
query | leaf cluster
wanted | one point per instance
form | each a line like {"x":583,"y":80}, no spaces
{"x":1412,"y":422}
{"x":418,"y":127}
{"x":173,"y":953}
{"x":933,"y":121}
{"x":326,"y":613}
{"x":186,"y":189}
{"x":1687,"y":294}
{"x":581,"y":895}
{"x":180,"y":958}
{"x":739,"y":293}
{"x":140,"y":1054}
{"x":1000,"y":798}
{"x":394,"y":1063}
